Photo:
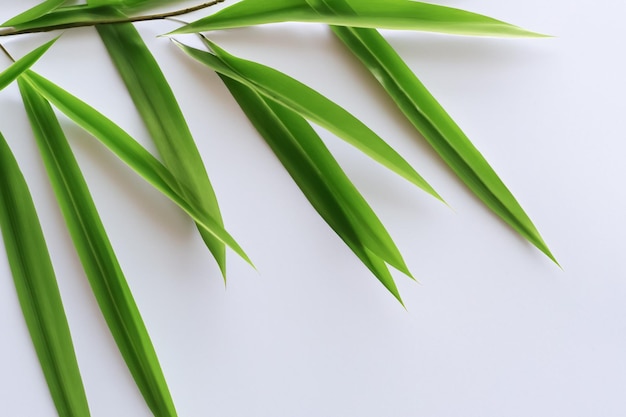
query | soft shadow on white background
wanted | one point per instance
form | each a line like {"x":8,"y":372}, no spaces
{"x":493,"y":329}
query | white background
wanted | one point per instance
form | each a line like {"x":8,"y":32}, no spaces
{"x":493,"y":329}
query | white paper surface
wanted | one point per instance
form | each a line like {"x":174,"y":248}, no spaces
{"x":493,"y":329}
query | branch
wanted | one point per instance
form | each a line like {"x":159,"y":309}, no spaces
{"x":8,"y":31}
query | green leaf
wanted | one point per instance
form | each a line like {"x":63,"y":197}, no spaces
{"x":164,"y":120}
{"x":384,"y":14}
{"x":37,"y":289}
{"x":133,"y":5}
{"x":91,"y":14}
{"x":18,"y":67}
{"x":129,"y":151}
{"x":70,"y":16}
{"x":322,"y":181}
{"x":98,"y":3}
{"x":34,"y":12}
{"x":96,"y":253}
{"x":438,"y":128}
{"x":310,"y":104}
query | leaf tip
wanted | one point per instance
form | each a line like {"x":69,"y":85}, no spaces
{"x":530,"y":34}
{"x":552,"y":258}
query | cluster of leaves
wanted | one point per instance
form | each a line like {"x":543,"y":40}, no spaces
{"x":280,"y":108}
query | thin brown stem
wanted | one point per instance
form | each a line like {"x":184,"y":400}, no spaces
{"x":16,"y":31}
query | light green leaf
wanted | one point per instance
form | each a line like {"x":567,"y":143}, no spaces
{"x":384,"y":14}
{"x":91,"y":14}
{"x":129,"y":151}
{"x":96,"y":254}
{"x":37,"y":289}
{"x":135,"y":5}
{"x":34,"y":12}
{"x":70,"y":16}
{"x":123,"y":4}
{"x":98,"y":3}
{"x":322,"y":181}
{"x":18,"y":67}
{"x":164,"y":120}
{"x":438,"y":128}
{"x":309,"y":104}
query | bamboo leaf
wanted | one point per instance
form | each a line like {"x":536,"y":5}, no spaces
{"x":310,"y":104}
{"x":133,"y":6}
{"x":34,"y":12}
{"x":370,"y":231}
{"x":94,"y":13}
{"x":144,"y":4}
{"x":70,"y":16}
{"x":98,"y":3}
{"x":18,"y":67}
{"x":96,"y":254}
{"x":164,"y":120}
{"x":37,"y":289}
{"x":384,"y":14}
{"x":129,"y":151}
{"x":321,"y":180}
{"x":437,"y":127}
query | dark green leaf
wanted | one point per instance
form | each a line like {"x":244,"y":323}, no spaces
{"x":96,"y":254}
{"x":322,"y":181}
{"x":99,"y":3}
{"x":70,"y":16}
{"x":133,"y":5}
{"x":438,"y":128}
{"x":129,"y":151}
{"x":37,"y":289}
{"x":164,"y":120}
{"x":309,"y":104}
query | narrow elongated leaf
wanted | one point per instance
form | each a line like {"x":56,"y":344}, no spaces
{"x":98,"y":3}
{"x":70,"y":16}
{"x":164,"y":120}
{"x":133,"y":5}
{"x":18,"y":67}
{"x":320,"y":178}
{"x":384,"y":14}
{"x":93,"y":13}
{"x":436,"y":126}
{"x":137,"y":5}
{"x":37,"y":289}
{"x":96,"y":254}
{"x":369,"y":230}
{"x":34,"y":12}
{"x":129,"y":151}
{"x":310,"y":104}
